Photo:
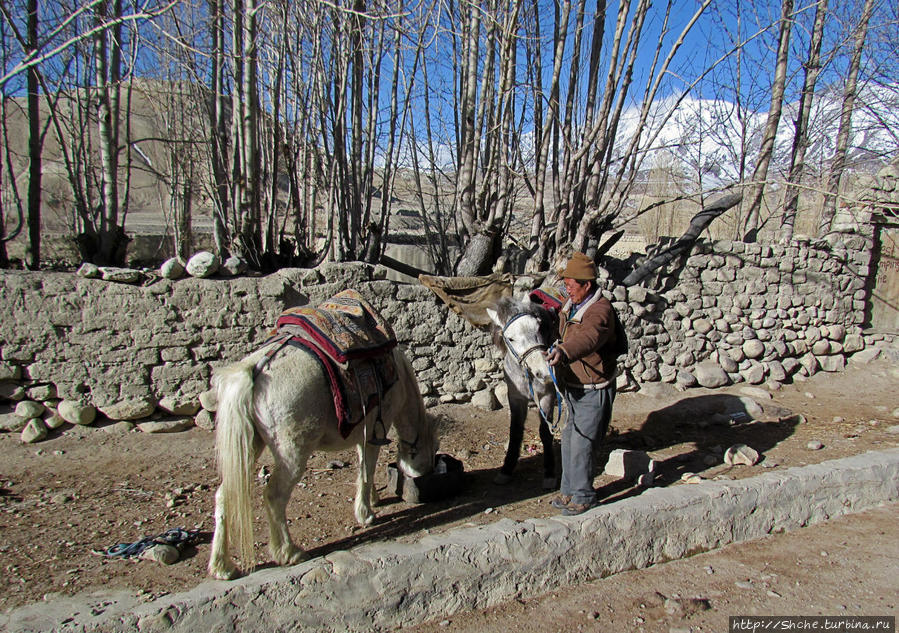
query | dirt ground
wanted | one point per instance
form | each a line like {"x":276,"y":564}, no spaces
{"x":66,"y":500}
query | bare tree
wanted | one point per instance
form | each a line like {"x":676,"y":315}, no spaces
{"x":812,"y":68}
{"x":838,"y":162}
{"x":33,"y":245}
{"x":769,"y":135}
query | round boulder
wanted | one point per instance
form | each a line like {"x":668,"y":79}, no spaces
{"x":203,"y":264}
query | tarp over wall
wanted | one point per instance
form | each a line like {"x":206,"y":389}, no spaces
{"x":469,"y":297}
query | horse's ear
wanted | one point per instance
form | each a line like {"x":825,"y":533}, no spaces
{"x":494,"y":317}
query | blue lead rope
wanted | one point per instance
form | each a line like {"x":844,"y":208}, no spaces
{"x":552,"y":373}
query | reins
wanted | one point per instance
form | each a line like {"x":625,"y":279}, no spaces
{"x":520,"y":359}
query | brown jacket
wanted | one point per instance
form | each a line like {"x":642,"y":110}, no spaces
{"x":584,"y":336}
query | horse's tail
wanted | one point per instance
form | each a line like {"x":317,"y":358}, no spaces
{"x":234,"y":437}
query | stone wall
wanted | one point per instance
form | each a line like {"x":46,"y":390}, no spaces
{"x":729,"y":312}
{"x":734,"y":312}
{"x":107,"y":343}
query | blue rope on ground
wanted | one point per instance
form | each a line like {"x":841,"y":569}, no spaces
{"x":178,"y":537}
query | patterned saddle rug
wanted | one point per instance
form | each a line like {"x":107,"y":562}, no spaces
{"x":353,"y":343}
{"x":549,"y":297}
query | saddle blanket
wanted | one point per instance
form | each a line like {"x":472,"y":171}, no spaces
{"x":549,"y":297}
{"x":353,"y":343}
{"x":345,"y":327}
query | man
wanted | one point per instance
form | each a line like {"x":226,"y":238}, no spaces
{"x":586,"y":368}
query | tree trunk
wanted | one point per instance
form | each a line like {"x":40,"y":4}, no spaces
{"x":800,"y":138}
{"x":218,"y":130}
{"x":698,"y":224}
{"x":33,"y":244}
{"x":111,"y":236}
{"x":766,"y":151}
{"x":479,"y":255}
{"x":842,"y":145}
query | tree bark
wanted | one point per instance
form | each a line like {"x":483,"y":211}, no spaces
{"x":800,"y":137}
{"x":760,"y":173}
{"x":111,"y":235}
{"x":697,"y":225}
{"x":838,"y":163}
{"x":33,"y":244}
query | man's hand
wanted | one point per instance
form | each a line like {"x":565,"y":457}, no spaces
{"x":555,"y":356}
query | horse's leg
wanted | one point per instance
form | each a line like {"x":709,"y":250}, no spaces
{"x":518,"y":412}
{"x":547,"y":404}
{"x":366,"y":495}
{"x":277,"y":494}
{"x":221,"y":565}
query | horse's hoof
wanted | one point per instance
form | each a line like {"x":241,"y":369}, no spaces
{"x":223,"y":573}
{"x":550,"y":483}
{"x":365,"y":519}
{"x":299,"y":556}
{"x":502,"y":478}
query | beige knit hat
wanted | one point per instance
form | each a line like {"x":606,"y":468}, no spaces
{"x":580,"y":267}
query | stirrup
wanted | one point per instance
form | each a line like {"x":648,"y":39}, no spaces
{"x":374,"y":440}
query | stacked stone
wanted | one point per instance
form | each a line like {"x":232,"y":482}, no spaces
{"x":748,"y":313}
{"x":881,"y":191}
{"x":143,"y":355}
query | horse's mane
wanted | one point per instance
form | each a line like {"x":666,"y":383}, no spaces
{"x":508,"y":307}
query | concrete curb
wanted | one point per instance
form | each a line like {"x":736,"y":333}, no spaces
{"x":381,"y":586}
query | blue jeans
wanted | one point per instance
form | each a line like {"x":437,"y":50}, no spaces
{"x":589,"y":414}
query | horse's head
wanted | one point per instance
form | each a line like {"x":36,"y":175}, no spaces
{"x":416,"y":430}
{"x":524,"y":331}
{"x":417,"y":453}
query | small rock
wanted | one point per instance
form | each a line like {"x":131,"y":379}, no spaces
{"x":166,"y":426}
{"x":741,"y":454}
{"x":628,"y":465}
{"x":205,"y":420}
{"x":89,"y":271}
{"x":135,"y":409}
{"x":13,"y":423}
{"x":161,"y":553}
{"x":179,"y":406}
{"x":29,"y":409}
{"x":120,"y":275}
{"x":814,"y":445}
{"x":203,"y":264}
{"x":11,"y":391}
{"x":209,"y":400}
{"x":54,"y":420}
{"x":121,"y":427}
{"x":485,"y":400}
{"x":171,"y":269}
{"x":35,"y":430}
{"x":336,"y":464}
{"x":41,"y":393}
{"x":60,"y":498}
{"x":76,"y":413}
{"x":234,"y":266}
{"x":691,"y":478}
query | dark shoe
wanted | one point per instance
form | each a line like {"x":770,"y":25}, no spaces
{"x":573,"y":509}
{"x":561,"y":502}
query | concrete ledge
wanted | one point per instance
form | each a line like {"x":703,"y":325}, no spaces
{"x":380,"y":586}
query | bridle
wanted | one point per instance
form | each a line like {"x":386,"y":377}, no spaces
{"x":521,"y":358}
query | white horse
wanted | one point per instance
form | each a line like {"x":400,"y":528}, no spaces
{"x":289,"y":408}
{"x":524,"y":330}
